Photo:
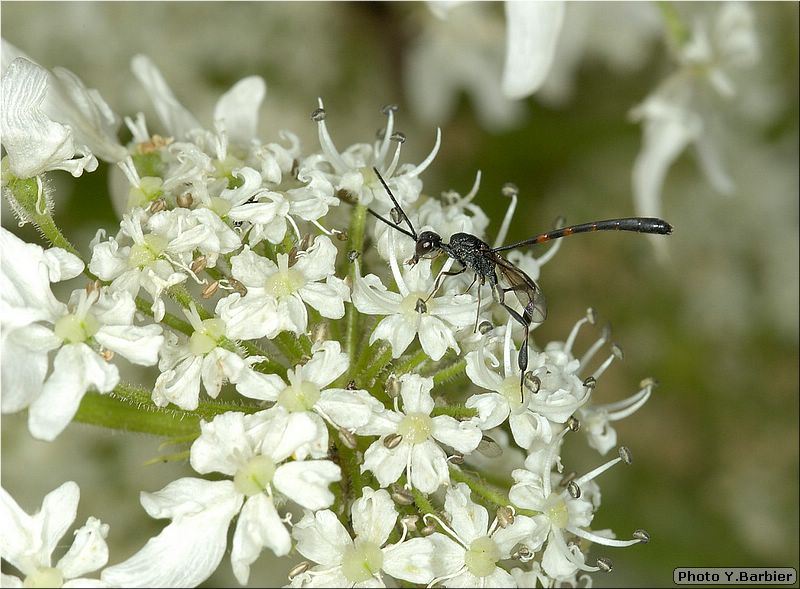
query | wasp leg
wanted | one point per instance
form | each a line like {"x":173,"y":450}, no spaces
{"x":522,"y":358}
{"x":440,"y":279}
{"x":478,"y":310}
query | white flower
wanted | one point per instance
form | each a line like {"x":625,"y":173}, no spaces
{"x":353,"y":167}
{"x":567,"y":509}
{"x":277,"y":294}
{"x":28,"y":542}
{"x":467,"y":556}
{"x":409,"y":312}
{"x":35,"y":323}
{"x":413,"y":447}
{"x":100,"y":320}
{"x":255,"y":454}
{"x":264,"y":211}
{"x":186,"y":361}
{"x":150,"y":261}
{"x":557,"y":394}
{"x":680,"y":111}
{"x":596,"y":419}
{"x":34,"y":142}
{"x":306,"y":398}
{"x":359,"y":561}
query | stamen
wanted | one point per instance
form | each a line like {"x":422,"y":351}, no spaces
{"x":605,"y":334}
{"x":574,"y":334}
{"x":299,"y":569}
{"x":348,"y":439}
{"x":549,"y":460}
{"x":402,"y":496}
{"x":138,"y":128}
{"x":427,"y":161}
{"x":352,"y":255}
{"x":130,"y":172}
{"x":398,"y":277}
{"x":625,"y":454}
{"x":392,"y":441}
{"x":508,"y":346}
{"x":392,"y":386}
{"x":456,"y":458}
{"x":605,"y":564}
{"x":485,"y":327}
{"x":389,"y":111}
{"x":210,"y":289}
{"x":573,"y":489}
{"x":628,"y":406}
{"x":444,"y":526}
{"x":505,"y":516}
{"x":294,"y":226}
{"x":511,"y":191}
{"x":642,"y":536}
{"x":474,"y":190}
{"x":325,"y":140}
{"x":592,"y":474}
{"x":41,"y":203}
{"x":395,"y":159}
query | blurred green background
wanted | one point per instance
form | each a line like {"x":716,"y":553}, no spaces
{"x":715,"y":477}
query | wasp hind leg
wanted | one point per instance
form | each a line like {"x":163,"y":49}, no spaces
{"x":522,"y":358}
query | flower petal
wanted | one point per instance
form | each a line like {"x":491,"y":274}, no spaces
{"x":88,"y":552}
{"x":76,"y":369}
{"x":321,"y":537}
{"x":307,"y":482}
{"x":259,"y":527}
{"x":374,"y":516}
{"x":532,"y":32}
{"x":237,"y":109}
{"x":468,"y":519}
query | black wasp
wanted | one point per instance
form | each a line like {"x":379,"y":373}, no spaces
{"x":487,"y":264}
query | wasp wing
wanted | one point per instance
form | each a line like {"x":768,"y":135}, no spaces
{"x":528,"y":293}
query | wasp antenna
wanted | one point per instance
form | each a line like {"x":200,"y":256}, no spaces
{"x":397,"y":205}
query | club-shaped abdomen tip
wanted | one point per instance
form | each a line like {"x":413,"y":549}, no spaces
{"x":659,"y":226}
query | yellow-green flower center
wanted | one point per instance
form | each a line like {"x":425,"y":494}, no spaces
{"x":143,"y":254}
{"x":361,"y":561}
{"x":482,"y":556}
{"x":299,"y":397}
{"x":255,"y":476}
{"x":509,"y":388}
{"x":284,"y":283}
{"x":555,"y":508}
{"x":415,"y":427}
{"x":74,"y":329}
{"x":220,"y":206}
{"x":206,"y":338}
{"x":148,"y":190}
{"x":44,"y":577}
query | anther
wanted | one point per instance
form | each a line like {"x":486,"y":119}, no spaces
{"x":185,"y":200}
{"x":198,"y":264}
{"x":642,"y":536}
{"x":157,"y":206}
{"x":489,"y":448}
{"x":395,"y":215}
{"x":505,"y":516}
{"x":351,"y":386}
{"x":210,"y":289}
{"x":392,"y":441}
{"x":456,"y":458}
{"x":347,"y":196}
{"x":648,"y":383}
{"x":348,"y":439}
{"x":573,"y":423}
{"x":320,"y":332}
{"x":427,"y":530}
{"x":93,"y":286}
{"x":402,"y":496}
{"x":387,"y":108}
{"x":591,"y":316}
{"x":523,"y":554}
{"x":617,"y":351}
{"x":590,"y":382}
{"x":605,"y":564}
{"x":421,"y":307}
{"x":625,"y":454}
{"x":509,"y":189}
{"x":107,"y":355}
{"x":306,"y":242}
{"x":392,"y":386}
{"x":485,"y":327}
{"x":353,"y":255}
{"x":340,"y":235}
{"x":237,"y":286}
{"x":532,"y":382}
{"x":299,"y":569}
{"x":398,"y":136}
{"x":318,"y":114}
{"x":410,"y":522}
{"x":573,"y":489}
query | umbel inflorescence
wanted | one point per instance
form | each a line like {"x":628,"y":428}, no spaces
{"x":345,"y":413}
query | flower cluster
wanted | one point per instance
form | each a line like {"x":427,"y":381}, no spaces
{"x":336,"y":380}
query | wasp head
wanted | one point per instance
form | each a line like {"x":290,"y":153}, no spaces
{"x":429,"y":244}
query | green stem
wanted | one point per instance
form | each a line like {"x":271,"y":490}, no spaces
{"x":358,"y":223}
{"x":371,"y":363}
{"x":486,"y":491}
{"x":450,"y":373}
{"x":129,"y":408}
{"x":411,"y":363}
{"x":422,"y":502}
{"x":454,"y":411}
